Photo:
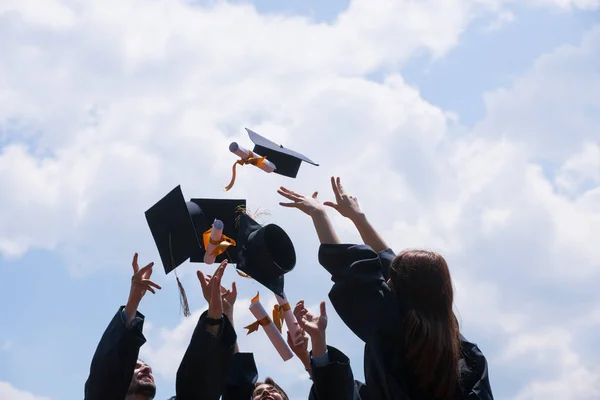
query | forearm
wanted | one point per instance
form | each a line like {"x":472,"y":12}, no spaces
{"x":324,"y":228}
{"x":130,"y":312}
{"x":319,"y":344}
{"x":368,"y":234}
{"x":229,"y":315}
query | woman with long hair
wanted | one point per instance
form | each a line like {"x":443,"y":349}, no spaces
{"x":400,"y":306}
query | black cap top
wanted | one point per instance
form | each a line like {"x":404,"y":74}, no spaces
{"x":225,"y":210}
{"x":266,"y":253}
{"x":287,"y":162}
{"x":173,"y":230}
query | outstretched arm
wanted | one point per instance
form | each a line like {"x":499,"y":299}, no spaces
{"x":203,"y":369}
{"x":331,"y":373}
{"x":349,"y":207}
{"x":114,"y":361}
{"x":313,"y":208}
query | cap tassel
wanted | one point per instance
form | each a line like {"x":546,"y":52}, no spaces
{"x":254,"y":215}
{"x":183,"y":301}
{"x":251,"y":159}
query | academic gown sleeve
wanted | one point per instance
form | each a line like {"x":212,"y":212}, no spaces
{"x":202,"y":372}
{"x":334,"y":381}
{"x":241,"y":377}
{"x":115,"y":359}
{"x":360,"y":294}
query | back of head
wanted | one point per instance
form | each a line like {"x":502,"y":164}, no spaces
{"x":431,"y":336}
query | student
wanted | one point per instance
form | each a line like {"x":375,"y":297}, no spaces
{"x":116,"y":372}
{"x":400,"y":306}
{"x":233,"y":374}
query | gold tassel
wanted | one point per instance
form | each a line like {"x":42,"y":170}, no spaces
{"x":183,"y":298}
{"x":251,"y":159}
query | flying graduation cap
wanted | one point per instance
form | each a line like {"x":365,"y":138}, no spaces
{"x":266,"y":253}
{"x":181,"y":230}
{"x":268,"y":156}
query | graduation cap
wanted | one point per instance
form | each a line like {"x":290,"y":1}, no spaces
{"x":174,"y":224}
{"x":179,"y":229}
{"x":268,"y":156}
{"x":287,"y":162}
{"x":266,"y":253}
{"x":226,"y":211}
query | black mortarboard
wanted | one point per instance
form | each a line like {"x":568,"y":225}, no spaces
{"x":173,"y":229}
{"x":225,"y":210}
{"x":266,"y":253}
{"x":287,"y":161}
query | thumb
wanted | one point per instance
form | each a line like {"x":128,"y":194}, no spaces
{"x":330,"y":204}
{"x":323,"y":310}
{"x":234,"y":289}
{"x":315,"y":194}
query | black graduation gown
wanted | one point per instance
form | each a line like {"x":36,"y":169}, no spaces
{"x":202,"y":372}
{"x":335,"y":380}
{"x":366,"y":304}
{"x":115,"y":359}
{"x":210,"y":367}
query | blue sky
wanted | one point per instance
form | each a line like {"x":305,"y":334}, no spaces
{"x":74,"y":192}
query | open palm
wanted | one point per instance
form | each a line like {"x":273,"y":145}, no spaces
{"x":312,"y":324}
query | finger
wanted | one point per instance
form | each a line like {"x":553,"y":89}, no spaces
{"x":330,"y":204}
{"x":336,"y":190}
{"x":146,"y":286}
{"x":290,"y":196}
{"x":149,"y":282}
{"x":221,"y":270}
{"x":143,"y":271}
{"x":292,"y":193}
{"x":134,"y":263}
{"x":202,"y":279}
{"x":234,"y":290}
{"x":289,"y":340}
{"x":323,"y":309}
{"x":215,"y":297}
{"x":299,"y":306}
{"x":289,"y":204}
{"x":315,"y":194}
{"x":339,"y":185}
{"x":148,"y":274}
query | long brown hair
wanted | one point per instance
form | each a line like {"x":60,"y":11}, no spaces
{"x":422,"y":281}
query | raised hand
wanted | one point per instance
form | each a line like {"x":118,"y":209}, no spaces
{"x":346,"y":205}
{"x":229,"y":297}
{"x":211,"y":289}
{"x":140,"y":281}
{"x":312,"y":324}
{"x":301,"y":348}
{"x":140,"y":284}
{"x":308,"y":205}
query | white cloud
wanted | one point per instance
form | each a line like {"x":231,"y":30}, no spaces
{"x":502,"y":19}
{"x":9,"y":392}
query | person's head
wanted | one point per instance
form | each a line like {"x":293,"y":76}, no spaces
{"x":142,"y":381}
{"x":431,"y":335}
{"x":268,"y":390}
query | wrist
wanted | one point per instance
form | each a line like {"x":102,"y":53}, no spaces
{"x":214,"y":314}
{"x":319,"y":344}
{"x":318,"y":212}
{"x":358,"y":218}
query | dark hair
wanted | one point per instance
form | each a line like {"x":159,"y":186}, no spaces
{"x":270,"y":381}
{"x":431,"y":336}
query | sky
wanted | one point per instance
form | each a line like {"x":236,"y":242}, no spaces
{"x":467,"y":127}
